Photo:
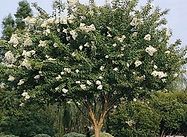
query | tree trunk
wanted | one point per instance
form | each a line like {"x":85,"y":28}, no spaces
{"x":97,"y":130}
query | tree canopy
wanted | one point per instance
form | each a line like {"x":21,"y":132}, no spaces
{"x":93,"y":56}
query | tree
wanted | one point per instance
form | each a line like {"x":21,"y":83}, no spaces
{"x":8,"y":27}
{"x":24,"y":10}
{"x":94,"y":57}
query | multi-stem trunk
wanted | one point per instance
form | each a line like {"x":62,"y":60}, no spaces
{"x":97,"y":123}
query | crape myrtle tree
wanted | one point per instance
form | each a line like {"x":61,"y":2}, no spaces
{"x":93,"y":56}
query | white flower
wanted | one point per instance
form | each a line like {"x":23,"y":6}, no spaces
{"x":21,"y":82}
{"x":64,"y":90}
{"x":77,"y":71}
{"x":135,"y":34}
{"x":73,"y":34}
{"x":85,"y":28}
{"x":150,"y":50}
{"x":135,"y":22}
{"x":58,"y":78}
{"x":65,"y":31}
{"x":22,"y":104}
{"x":167,"y":52}
{"x":42,"y":43}
{"x":98,"y":82}
{"x":159,"y":74}
{"x":62,"y":73}
{"x":134,"y":99}
{"x":73,"y":54}
{"x":30,"y":20}
{"x":86,"y":45}
{"x":106,"y":56}
{"x":115,"y":69}
{"x":28,"y":53}
{"x":137,"y":63}
{"x":44,"y":24}
{"x":9,"y":57}
{"x":57,"y":88}
{"x":147,"y":37}
{"x":77,"y":82}
{"x":71,"y":18}
{"x":88,"y":82}
{"x":27,"y":41}
{"x":175,"y":75}
{"x":130,"y":123}
{"x":51,"y":59}
{"x":80,"y":47}
{"x":2,"y":85}
{"x":121,"y":39}
{"x":100,"y":77}
{"x":155,"y":67}
{"x":114,"y":45}
{"x":26,"y":95}
{"x":68,"y":70}
{"x":102,"y":68}
{"x":72,"y":2}
{"x":14,"y":40}
{"x":128,"y":65}
{"x":55,"y":45}
{"x":11,"y":78}
{"x":100,"y":87}
{"x":168,"y":33}
{"x":26,"y":64}
{"x":37,"y":77}
{"x":83,"y":86}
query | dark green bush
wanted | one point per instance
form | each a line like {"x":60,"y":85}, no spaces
{"x":74,"y":134}
{"x":134,"y":119}
{"x":103,"y":134}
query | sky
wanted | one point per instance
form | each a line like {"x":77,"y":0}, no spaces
{"x":177,"y":17}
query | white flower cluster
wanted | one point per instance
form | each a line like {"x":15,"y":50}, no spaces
{"x":150,"y":50}
{"x":99,"y":85}
{"x":11,"y":78}
{"x":159,"y":74}
{"x":73,"y":34}
{"x":28,"y":54}
{"x":85,"y":28}
{"x":135,"y":22}
{"x":68,"y":70}
{"x":14,"y":40}
{"x":25,"y":95}
{"x":9,"y":57}
{"x":121,"y":39}
{"x":42,"y":43}
{"x":21,"y":81}
{"x":2,"y":85}
{"x":27,"y":41}
{"x":147,"y":37}
{"x":30,"y":20}
{"x":137,"y":63}
{"x":26,"y":64}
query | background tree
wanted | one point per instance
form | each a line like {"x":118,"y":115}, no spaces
{"x":8,"y":27}
{"x":93,"y":57}
{"x":24,"y":10}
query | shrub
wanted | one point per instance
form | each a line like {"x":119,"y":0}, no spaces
{"x":42,"y":135}
{"x":74,"y":134}
{"x":3,"y":135}
{"x":104,"y":135}
{"x":134,"y":119}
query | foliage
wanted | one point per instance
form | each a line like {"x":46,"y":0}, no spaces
{"x":8,"y":25}
{"x":103,"y":134}
{"x":74,"y":134}
{"x":134,"y":119}
{"x":162,"y":114}
{"x":24,"y":10}
{"x":27,"y":121}
{"x":42,"y":135}
{"x":173,"y":111}
{"x":3,"y":135}
{"x":93,"y":57}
